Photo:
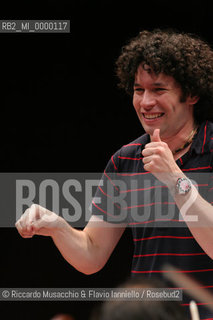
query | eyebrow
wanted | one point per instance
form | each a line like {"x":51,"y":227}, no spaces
{"x":156,"y":84}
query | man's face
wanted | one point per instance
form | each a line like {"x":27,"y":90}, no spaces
{"x":157,"y":99}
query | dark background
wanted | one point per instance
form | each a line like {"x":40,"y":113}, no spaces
{"x":61,"y":111}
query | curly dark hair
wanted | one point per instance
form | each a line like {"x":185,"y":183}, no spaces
{"x":185,"y":57}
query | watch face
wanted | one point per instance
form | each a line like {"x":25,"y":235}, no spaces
{"x":183,"y":185}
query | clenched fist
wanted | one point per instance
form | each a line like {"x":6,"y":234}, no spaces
{"x":38,"y":220}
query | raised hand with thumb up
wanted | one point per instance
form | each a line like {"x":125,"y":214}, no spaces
{"x":158,"y":159}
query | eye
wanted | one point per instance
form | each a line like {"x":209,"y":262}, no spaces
{"x":159,"y":89}
{"x":139,"y":89}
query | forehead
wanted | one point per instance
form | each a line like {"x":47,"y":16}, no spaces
{"x":145,"y":76}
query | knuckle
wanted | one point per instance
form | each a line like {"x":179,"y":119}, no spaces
{"x":157,"y":157}
{"x":39,"y":210}
{"x":159,"y":150}
{"x":151,"y":167}
{"x":147,"y":167}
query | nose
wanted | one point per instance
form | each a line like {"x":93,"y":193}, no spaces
{"x":147,"y":100}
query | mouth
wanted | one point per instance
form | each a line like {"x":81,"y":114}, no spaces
{"x":152,"y":116}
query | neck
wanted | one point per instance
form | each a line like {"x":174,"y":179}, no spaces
{"x":182,"y":139}
{"x":181,"y":153}
{"x":188,"y":141}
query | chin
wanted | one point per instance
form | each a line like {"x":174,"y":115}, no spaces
{"x":148,"y":129}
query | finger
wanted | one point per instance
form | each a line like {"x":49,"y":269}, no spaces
{"x":35,"y":212}
{"x":28,"y":226}
{"x":156,"y":136}
{"x":154,"y":144}
{"x":32,"y":217}
{"x":22,"y":231}
{"x":23,"y":225}
{"x":40,"y":211}
{"x":18,"y":227}
{"x":147,"y":166}
{"x":147,"y":159}
{"x":40,"y":227}
{"x":148,"y":152}
{"x":23,"y":220}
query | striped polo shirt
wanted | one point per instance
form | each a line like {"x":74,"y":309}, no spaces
{"x":128,"y":193}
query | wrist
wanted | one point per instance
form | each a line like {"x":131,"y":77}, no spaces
{"x":172,"y":179}
{"x":180,"y":185}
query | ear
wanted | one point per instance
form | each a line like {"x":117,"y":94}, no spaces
{"x":192,"y":100}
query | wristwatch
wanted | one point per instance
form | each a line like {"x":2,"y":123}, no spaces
{"x":183,"y":186}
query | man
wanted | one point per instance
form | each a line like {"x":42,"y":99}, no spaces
{"x":170,"y":76}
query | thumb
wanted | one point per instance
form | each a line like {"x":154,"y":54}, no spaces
{"x":156,"y":136}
